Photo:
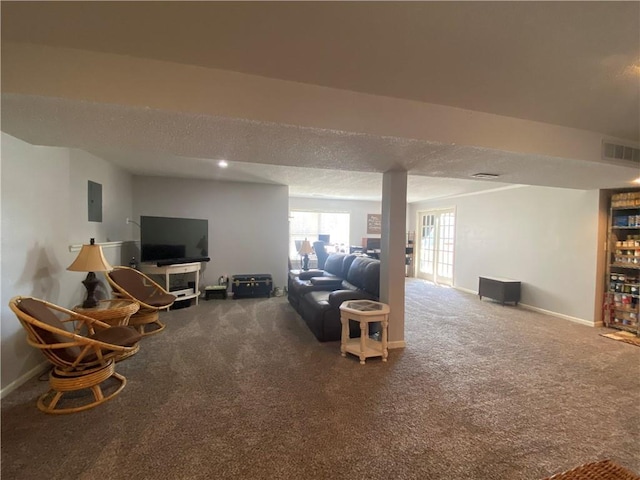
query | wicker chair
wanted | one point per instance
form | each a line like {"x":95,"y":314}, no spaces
{"x":602,"y":470}
{"x":130,"y":283}
{"x":83,"y":358}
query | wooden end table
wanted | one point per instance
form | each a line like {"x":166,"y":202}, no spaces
{"x":364,"y":312}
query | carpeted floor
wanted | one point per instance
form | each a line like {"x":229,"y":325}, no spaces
{"x":240,"y":389}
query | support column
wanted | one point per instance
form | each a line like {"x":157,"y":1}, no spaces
{"x":392,"y":255}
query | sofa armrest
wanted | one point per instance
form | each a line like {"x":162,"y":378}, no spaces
{"x":338,"y":296}
{"x":329,"y":282}
{"x":309,"y":274}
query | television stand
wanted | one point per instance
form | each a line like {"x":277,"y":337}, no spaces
{"x":175,"y":269}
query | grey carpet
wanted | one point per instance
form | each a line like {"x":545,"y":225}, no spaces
{"x":240,"y":389}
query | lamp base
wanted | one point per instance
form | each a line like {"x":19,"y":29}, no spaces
{"x":90,"y":283}
{"x":305,"y":262}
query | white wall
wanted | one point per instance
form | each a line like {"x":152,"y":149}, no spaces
{"x":357,"y":209}
{"x":117,"y":200}
{"x":44,"y":210}
{"x":248,"y":224}
{"x":545,"y":237}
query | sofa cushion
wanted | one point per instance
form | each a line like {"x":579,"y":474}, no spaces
{"x":364,"y":274}
{"x":346,"y":264}
{"x":298,"y":288}
{"x":308,"y":274}
{"x":335,"y":264}
{"x":320,"y":298}
{"x":371,"y":282}
{"x":123,"y":336}
{"x":323,"y":318}
{"x":337,"y":297}
{"x":159,"y":300}
{"x":326,"y":281}
{"x":39,"y":310}
{"x":355,"y":276}
{"x":131,"y":282}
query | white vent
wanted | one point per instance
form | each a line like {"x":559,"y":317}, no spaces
{"x":485,"y":175}
{"x":617,"y":151}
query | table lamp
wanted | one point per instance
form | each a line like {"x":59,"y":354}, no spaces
{"x":90,"y":259}
{"x":305,"y":250}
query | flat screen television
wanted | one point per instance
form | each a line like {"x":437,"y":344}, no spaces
{"x":167,"y":240}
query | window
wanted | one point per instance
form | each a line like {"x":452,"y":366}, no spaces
{"x":311,"y":225}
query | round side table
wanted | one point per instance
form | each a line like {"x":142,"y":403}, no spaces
{"x":115,"y":311}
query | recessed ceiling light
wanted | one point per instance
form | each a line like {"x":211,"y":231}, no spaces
{"x":637,"y":180}
{"x":223,"y":164}
{"x":485,"y":175}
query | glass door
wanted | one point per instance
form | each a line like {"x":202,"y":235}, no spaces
{"x":426,"y":246}
{"x":436,"y":244}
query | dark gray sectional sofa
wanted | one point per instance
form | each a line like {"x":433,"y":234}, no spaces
{"x":317,"y":294}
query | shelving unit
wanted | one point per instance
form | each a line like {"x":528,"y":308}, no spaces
{"x":622,"y":297}
{"x":177,"y":269}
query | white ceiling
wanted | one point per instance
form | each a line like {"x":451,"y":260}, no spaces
{"x":574,"y":64}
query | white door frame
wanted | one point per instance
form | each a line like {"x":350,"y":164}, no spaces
{"x":442,"y":248}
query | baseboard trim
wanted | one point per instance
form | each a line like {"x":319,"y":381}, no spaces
{"x":466,"y":290}
{"x":581,"y":321}
{"x":396,"y":344}
{"x":37,"y":370}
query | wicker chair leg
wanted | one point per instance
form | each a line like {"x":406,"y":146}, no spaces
{"x":54,"y":401}
{"x":159,"y":326}
{"x":97,"y":393}
{"x":144,"y":319}
{"x":61,"y":384}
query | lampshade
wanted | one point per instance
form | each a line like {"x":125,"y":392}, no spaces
{"x":90,"y":259}
{"x":305,"y":248}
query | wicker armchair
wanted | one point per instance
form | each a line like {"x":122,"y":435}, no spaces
{"x":130,"y":283}
{"x":83,"y":358}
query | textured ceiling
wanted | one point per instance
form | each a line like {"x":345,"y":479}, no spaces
{"x":574,"y":64}
{"x":188,"y":145}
